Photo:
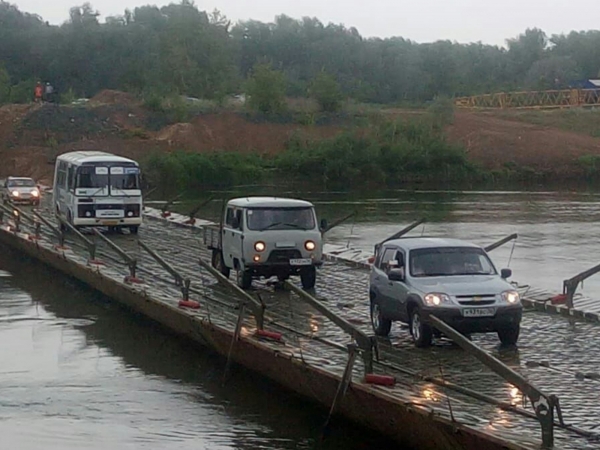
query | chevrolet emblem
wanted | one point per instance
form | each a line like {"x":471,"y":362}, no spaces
{"x":476,"y":299}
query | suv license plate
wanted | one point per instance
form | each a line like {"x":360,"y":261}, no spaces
{"x":479,"y":312}
{"x":300,"y":262}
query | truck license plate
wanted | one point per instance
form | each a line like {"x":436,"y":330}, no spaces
{"x":479,"y":312}
{"x":300,"y":262}
{"x":110,"y":223}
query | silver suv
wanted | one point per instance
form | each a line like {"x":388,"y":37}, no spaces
{"x":455,"y":280}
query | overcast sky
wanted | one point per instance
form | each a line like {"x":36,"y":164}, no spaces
{"x":488,"y":21}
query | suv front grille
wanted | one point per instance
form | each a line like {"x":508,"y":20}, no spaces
{"x":471,"y":299}
{"x":284,"y":256}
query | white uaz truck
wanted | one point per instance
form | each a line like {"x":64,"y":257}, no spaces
{"x":265,"y":237}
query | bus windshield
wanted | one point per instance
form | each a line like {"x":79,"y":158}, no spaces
{"x":125,"y":181}
{"x":90,"y":177}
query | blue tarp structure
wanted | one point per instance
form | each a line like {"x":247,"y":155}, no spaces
{"x":585,"y":84}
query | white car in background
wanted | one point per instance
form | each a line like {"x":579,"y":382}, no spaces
{"x":20,"y":190}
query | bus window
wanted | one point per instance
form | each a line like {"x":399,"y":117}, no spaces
{"x":124,"y":177}
{"x":89,"y":177}
{"x":125,"y":181}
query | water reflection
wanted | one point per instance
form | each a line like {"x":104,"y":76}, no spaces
{"x":80,"y":373}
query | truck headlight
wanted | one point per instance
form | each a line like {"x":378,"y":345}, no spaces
{"x":511,"y":297}
{"x":310,"y":245}
{"x":436,"y":299}
{"x":259,"y":246}
{"x":15,"y":193}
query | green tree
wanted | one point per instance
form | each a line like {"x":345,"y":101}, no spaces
{"x":4,"y":85}
{"x":326,"y":91}
{"x":266,"y":89}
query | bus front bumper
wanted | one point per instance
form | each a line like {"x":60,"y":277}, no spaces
{"x":103,"y":222}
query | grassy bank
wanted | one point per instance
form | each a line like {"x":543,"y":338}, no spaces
{"x":383,"y":154}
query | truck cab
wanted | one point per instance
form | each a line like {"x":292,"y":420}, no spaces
{"x":266,"y":237}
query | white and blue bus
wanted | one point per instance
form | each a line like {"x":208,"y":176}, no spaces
{"x":93,"y":188}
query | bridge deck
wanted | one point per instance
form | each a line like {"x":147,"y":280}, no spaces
{"x":557,"y":353}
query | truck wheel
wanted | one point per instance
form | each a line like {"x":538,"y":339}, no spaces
{"x":244,"y":279}
{"x":134,"y":229}
{"x":217,"y":263}
{"x":509,"y":335}
{"x":421,"y":332}
{"x":308,"y":277}
{"x":381,"y":325}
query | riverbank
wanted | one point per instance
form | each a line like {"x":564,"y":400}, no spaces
{"x":357,"y":147}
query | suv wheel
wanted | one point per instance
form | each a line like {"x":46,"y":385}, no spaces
{"x":381,"y":325}
{"x":509,"y":335}
{"x":244,"y":279}
{"x":421,"y":332}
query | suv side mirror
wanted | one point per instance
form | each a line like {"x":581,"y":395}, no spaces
{"x":396,"y":275}
{"x":506,"y":273}
{"x":324,"y":224}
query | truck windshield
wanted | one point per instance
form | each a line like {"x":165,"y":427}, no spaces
{"x":21,"y":183}
{"x":280,"y":218}
{"x":449,"y":261}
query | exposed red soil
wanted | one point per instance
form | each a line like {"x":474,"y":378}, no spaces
{"x":495,"y":142}
{"x":231,"y":132}
{"x":31,"y":137}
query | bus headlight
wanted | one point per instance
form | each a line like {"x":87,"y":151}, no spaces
{"x":310,"y":245}
{"x":259,"y":246}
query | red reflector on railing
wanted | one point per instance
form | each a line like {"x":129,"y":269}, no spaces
{"x":371,"y":260}
{"x":269,"y":334}
{"x":382,"y":380}
{"x":133,"y":280}
{"x":559,"y":299}
{"x":189,"y":304}
{"x":96,"y":262}
{"x":166,"y":214}
{"x":190,"y":222}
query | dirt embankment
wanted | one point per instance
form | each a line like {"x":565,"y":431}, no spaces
{"x":495,"y":143}
{"x":32,"y":135}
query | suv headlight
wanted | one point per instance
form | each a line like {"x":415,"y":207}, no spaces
{"x":511,"y":297}
{"x":259,"y":246}
{"x":310,"y":246}
{"x":436,"y":299}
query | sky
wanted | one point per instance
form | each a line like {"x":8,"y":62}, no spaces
{"x":488,"y":21}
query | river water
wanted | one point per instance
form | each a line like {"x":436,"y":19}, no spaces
{"x":80,"y":373}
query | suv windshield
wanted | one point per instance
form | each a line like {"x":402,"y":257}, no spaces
{"x":448,"y":261}
{"x":280,"y":218}
{"x":21,"y":183}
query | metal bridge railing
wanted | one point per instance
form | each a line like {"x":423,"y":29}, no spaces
{"x":565,"y":98}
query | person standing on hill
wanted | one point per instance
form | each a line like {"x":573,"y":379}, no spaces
{"x":38,"y":92}
{"x":49,"y":93}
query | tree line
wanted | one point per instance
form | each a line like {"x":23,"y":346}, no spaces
{"x":181,"y":49}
